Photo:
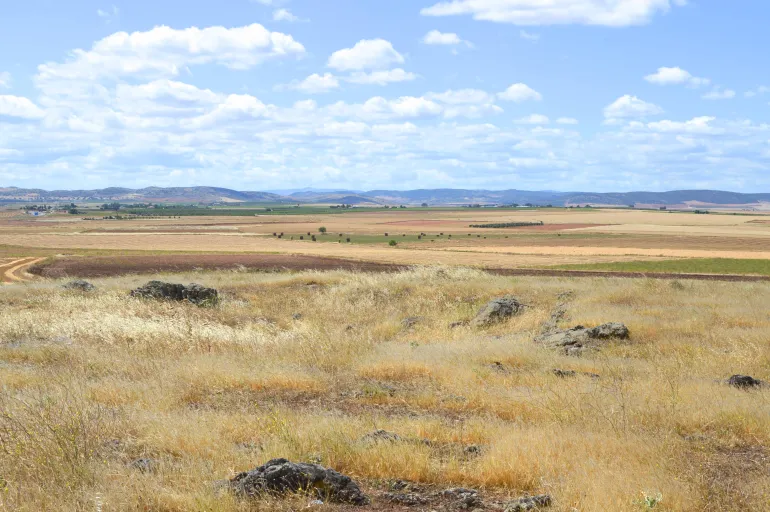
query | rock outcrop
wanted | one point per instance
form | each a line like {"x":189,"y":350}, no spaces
{"x":194,"y":293}
{"x":497,"y":310}
{"x":279,"y":476}
{"x":79,"y":285}
{"x":574,"y":341}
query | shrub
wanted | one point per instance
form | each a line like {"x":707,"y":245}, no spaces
{"x":322,"y":230}
{"x":392,"y":243}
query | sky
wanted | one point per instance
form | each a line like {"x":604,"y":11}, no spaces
{"x":569,"y":95}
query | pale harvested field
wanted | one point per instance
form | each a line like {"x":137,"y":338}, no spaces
{"x":569,"y":236}
{"x":240,"y":243}
{"x":93,"y":382}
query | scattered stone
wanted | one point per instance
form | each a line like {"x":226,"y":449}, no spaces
{"x":574,"y":341}
{"x":379,"y":436}
{"x":297,"y":316}
{"x":194,"y":293}
{"x":744,"y":382}
{"x":408,"y":323}
{"x":572,"y":373}
{"x":497,"y":310}
{"x":279,"y":476}
{"x":463,"y":498}
{"x":472,"y":449}
{"x":461,"y":323}
{"x":144,"y":465}
{"x":79,"y":285}
{"x":407,"y":499}
{"x":315,"y":503}
{"x":529,"y":503}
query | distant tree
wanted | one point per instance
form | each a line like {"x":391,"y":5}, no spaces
{"x":322,"y":230}
{"x":392,"y":243}
{"x":73,"y":211}
{"x":424,"y":205}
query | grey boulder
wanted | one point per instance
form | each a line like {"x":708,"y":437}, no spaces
{"x":79,"y":285}
{"x":574,"y":341}
{"x":279,"y":476}
{"x":194,"y":293}
{"x":497,"y":310}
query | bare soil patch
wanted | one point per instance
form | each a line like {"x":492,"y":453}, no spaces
{"x":107,"y":266}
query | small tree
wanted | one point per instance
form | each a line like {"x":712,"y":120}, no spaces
{"x":392,"y":243}
{"x":322,"y":230}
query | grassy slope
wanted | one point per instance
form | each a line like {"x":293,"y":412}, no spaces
{"x":92,"y":382}
{"x":690,"y":266}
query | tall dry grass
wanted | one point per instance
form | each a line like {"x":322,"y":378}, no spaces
{"x":92,"y":382}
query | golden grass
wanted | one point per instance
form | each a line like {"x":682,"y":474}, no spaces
{"x":91,"y":382}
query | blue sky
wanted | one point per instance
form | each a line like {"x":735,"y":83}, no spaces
{"x":264,"y":94}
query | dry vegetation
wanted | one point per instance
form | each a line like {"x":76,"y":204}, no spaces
{"x":92,"y":382}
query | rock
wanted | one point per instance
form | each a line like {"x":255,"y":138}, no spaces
{"x":381,"y":436}
{"x":461,"y":323}
{"x":463,"y":498}
{"x":408,"y":323}
{"x":297,"y":316}
{"x":194,"y":293}
{"x":407,"y":499}
{"x":79,"y":285}
{"x":144,"y":465}
{"x":528,"y":503}
{"x":574,"y":340}
{"x":744,"y":382}
{"x":472,"y":449}
{"x":279,"y":476}
{"x":497,"y":310}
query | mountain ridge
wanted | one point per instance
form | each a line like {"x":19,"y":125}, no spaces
{"x":432,"y":197}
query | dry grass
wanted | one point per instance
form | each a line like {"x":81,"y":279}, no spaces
{"x":93,"y":382}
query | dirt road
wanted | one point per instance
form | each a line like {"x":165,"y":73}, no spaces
{"x":14,"y":271}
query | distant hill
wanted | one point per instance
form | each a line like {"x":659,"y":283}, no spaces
{"x":432,"y":197}
{"x":149,"y":194}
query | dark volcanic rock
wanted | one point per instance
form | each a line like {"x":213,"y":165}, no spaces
{"x":279,"y":476}
{"x":80,"y":285}
{"x":744,"y":382}
{"x":194,"y":293}
{"x":497,"y":310}
{"x":407,"y":499}
{"x":574,"y":340}
{"x":529,"y":503}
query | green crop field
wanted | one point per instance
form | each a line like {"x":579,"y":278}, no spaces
{"x":688,"y":266}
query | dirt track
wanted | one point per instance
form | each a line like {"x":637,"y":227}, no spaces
{"x":103,"y":266}
{"x":13,"y":272}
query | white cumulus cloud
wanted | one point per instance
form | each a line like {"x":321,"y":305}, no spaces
{"x":380,"y":77}
{"x":435,"y":37}
{"x":315,"y":84}
{"x":674,"y":76}
{"x":520,"y":92}
{"x":19,"y":107}
{"x":628,"y":106}
{"x":285,"y":15}
{"x":614,"y":13}
{"x":166,"y":51}
{"x":5,"y":80}
{"x":567,"y":120}
{"x":366,"y":54}
{"x":534,"y":119}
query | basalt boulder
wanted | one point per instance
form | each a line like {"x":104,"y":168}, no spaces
{"x":194,"y":293}
{"x":279,"y":476}
{"x":574,"y":341}
{"x":497,"y":310}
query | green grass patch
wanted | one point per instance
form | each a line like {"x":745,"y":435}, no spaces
{"x":681,"y":266}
